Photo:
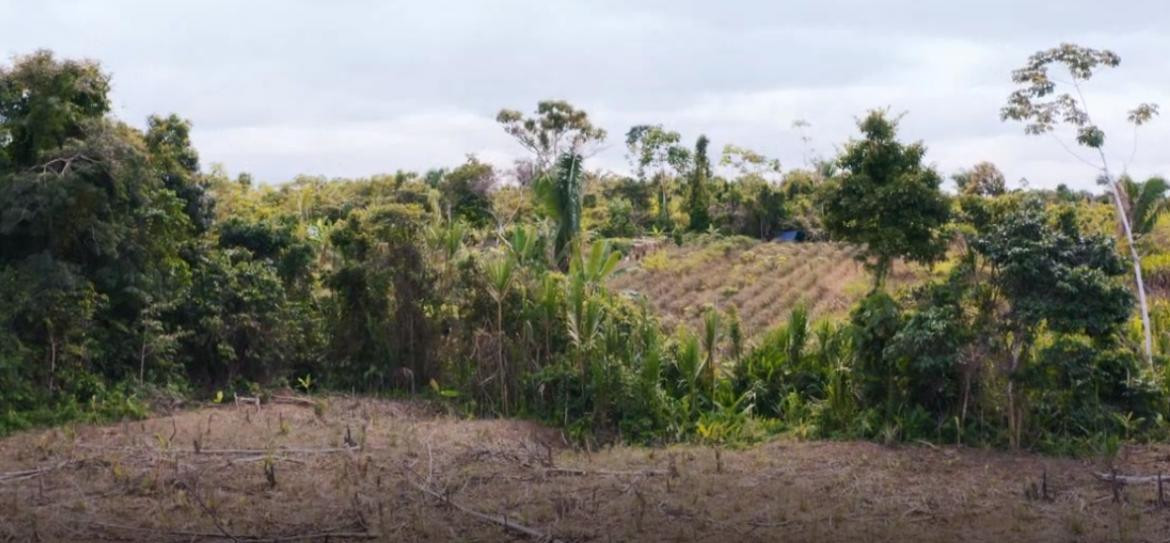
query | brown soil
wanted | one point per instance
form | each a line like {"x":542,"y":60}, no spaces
{"x":283,"y":472}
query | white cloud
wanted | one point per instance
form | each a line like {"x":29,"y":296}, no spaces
{"x":358,"y":87}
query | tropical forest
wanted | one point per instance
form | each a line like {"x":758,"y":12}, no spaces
{"x":860,"y":346}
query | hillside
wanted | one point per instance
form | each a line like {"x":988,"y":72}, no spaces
{"x":764,"y":281}
{"x":285,"y":473}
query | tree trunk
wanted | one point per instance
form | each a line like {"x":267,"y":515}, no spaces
{"x":142,"y":361}
{"x":1012,"y":422}
{"x":880,"y":271}
{"x":500,"y":356}
{"x":52,"y":360}
{"x":1015,"y":411}
{"x":1137,"y":269}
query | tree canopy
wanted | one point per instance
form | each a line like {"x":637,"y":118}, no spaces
{"x":886,"y":199}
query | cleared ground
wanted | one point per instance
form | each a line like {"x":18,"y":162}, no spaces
{"x":288,"y":472}
{"x":764,"y":281}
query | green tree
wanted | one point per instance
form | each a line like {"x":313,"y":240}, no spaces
{"x":874,"y":324}
{"x":465,"y":192}
{"x":557,"y":128}
{"x":699,"y":197}
{"x":1037,"y":104}
{"x":983,"y":179}
{"x":1048,"y":276}
{"x":80,"y":199}
{"x":384,"y":293}
{"x":45,"y":103}
{"x":168,"y":140}
{"x":886,"y":199}
{"x":748,"y":162}
{"x":651,"y":150}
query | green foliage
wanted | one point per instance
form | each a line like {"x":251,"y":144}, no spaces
{"x":1038,"y":104}
{"x":886,"y":199}
{"x":653,"y":149}
{"x":465,"y":190}
{"x":560,"y":193}
{"x":45,"y":104}
{"x":698,"y":197}
{"x":168,"y":141}
{"x":383,"y":292}
{"x":620,"y":222}
{"x":90,"y":234}
{"x":125,"y":269}
{"x":1144,"y":201}
{"x":875,"y":323}
{"x":1052,"y":274}
{"x":983,"y":179}
{"x":558,"y":128}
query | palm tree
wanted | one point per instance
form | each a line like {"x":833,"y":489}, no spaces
{"x":449,"y":239}
{"x":711,"y":336}
{"x":1144,"y":202}
{"x":583,"y":319}
{"x":691,"y":367}
{"x":548,"y":301}
{"x":521,"y":243}
{"x":501,"y":273}
{"x":560,"y":193}
{"x":597,"y":265}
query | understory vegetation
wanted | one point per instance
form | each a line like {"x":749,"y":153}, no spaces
{"x":129,"y":272}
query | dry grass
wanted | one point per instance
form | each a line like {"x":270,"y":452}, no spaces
{"x":419,"y":475}
{"x":763,"y":281}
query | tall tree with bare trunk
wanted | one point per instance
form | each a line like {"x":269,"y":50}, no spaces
{"x":1038,"y":104}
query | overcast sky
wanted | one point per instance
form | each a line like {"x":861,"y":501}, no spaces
{"x":354,"y":87}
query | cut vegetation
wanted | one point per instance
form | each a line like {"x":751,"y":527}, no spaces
{"x":359,"y":469}
{"x":670,"y":397}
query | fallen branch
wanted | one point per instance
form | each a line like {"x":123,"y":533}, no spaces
{"x":295,"y":400}
{"x":14,"y":476}
{"x":584,"y":472}
{"x":261,"y":452}
{"x":250,"y":538}
{"x":1132,"y":479}
{"x":263,"y":458}
{"x":248,"y":400}
{"x":500,"y":520}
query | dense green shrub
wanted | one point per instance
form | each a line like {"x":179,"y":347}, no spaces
{"x":125,"y":269}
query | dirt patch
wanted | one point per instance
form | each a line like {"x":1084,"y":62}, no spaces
{"x":363,"y":469}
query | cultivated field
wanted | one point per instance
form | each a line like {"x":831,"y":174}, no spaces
{"x":763,"y":281}
{"x":405,"y":472}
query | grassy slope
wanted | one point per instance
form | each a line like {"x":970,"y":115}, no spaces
{"x":143,"y":481}
{"x":763,"y":281}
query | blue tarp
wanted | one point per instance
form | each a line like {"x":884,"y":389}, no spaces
{"x":790,"y":235}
